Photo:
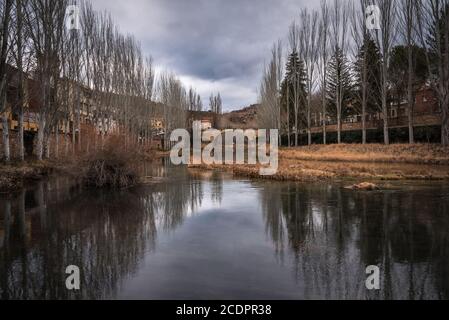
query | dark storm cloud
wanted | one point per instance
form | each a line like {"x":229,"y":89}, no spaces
{"x":215,"y":45}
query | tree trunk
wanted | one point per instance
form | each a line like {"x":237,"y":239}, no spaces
{"x":385,"y":102}
{"x":40,"y":138}
{"x":296,"y":129}
{"x":410,"y":96}
{"x":66,"y":138}
{"x":324,"y":129}
{"x":324,"y":114}
{"x":73,"y":135}
{"x":364,"y":96}
{"x":411,"y":133}
{"x":445,"y":123}
{"x":339,"y":127}
{"x":364,"y":103}
{"x":296,"y":106}
{"x":19,"y":60}
{"x":339,"y":108}
{"x":48,"y":146}
{"x":57,"y":141}
{"x":385,"y":119}
{"x":288,"y":116}
{"x":309,"y":124}
{"x":20,"y":137}
{"x":6,"y":147}
{"x":78,"y":119}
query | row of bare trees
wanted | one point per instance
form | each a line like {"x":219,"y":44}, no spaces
{"x":340,"y":55}
{"x":216,"y":103}
{"x":78,"y":67}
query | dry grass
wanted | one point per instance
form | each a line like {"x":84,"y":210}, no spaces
{"x":371,"y":162}
{"x":400,"y":153}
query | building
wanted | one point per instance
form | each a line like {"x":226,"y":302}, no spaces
{"x":426,"y":112}
{"x":85,"y":119}
{"x":208,"y":119}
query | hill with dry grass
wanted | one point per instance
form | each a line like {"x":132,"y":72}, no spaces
{"x":240,"y":119}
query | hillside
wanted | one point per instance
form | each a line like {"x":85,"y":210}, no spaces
{"x":240,"y":119}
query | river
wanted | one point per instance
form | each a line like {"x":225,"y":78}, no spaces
{"x":207,"y":235}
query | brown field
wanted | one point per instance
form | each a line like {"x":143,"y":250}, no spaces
{"x":370,"y":162}
{"x":377,"y":153}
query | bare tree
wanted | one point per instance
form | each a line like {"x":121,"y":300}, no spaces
{"x":199,"y":103}
{"x":360,"y":35}
{"x":174,"y":98}
{"x":95,"y":74}
{"x":45,"y":19}
{"x":339,"y":44}
{"x":385,"y":38}
{"x":309,"y":53}
{"x":269,"y":114}
{"x":433,"y":33}
{"x":324,"y":60}
{"x":5,"y":34}
{"x":407,"y":20}
{"x":215,"y":104}
{"x":20,"y":54}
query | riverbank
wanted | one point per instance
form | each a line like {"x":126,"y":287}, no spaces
{"x":13,"y":176}
{"x":367,"y":162}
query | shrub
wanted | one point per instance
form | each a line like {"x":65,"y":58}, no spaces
{"x":111,"y":166}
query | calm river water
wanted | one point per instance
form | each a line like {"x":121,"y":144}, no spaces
{"x":206,"y":235}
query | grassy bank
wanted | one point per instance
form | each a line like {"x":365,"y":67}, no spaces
{"x":370,"y":162}
{"x":372,"y":153}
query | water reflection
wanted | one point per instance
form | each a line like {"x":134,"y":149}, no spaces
{"x":202,"y":235}
{"x":56,"y":224}
{"x":332,"y":235}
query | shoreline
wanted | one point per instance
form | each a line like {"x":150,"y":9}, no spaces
{"x":423,"y":162}
{"x":13,"y":176}
{"x":352,"y":162}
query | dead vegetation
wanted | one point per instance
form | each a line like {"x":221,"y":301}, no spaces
{"x":371,"y":162}
{"x":112,"y":166}
{"x":400,"y":153}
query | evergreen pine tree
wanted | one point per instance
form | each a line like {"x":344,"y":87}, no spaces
{"x":339,"y":89}
{"x":369,"y":52}
{"x":294,"y":88}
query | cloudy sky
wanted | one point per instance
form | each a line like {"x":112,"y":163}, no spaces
{"x":213,"y":45}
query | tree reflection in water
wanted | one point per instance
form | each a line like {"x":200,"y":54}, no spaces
{"x":324,"y":235}
{"x":45,"y":229}
{"x":333,"y":234}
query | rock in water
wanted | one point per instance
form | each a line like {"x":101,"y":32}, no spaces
{"x":366,"y":186}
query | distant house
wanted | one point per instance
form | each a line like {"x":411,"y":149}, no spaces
{"x":208,"y":119}
{"x":426,"y":101}
{"x":426,"y":112}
